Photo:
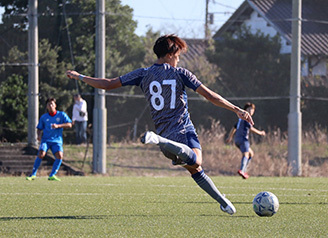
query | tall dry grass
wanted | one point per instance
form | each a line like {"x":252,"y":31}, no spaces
{"x":271,"y":153}
{"x":129,"y":158}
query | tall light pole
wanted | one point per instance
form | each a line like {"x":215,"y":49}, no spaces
{"x":33,"y":72}
{"x":99,"y":111}
{"x":295,"y":115}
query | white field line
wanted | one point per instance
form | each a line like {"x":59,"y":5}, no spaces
{"x":145,"y":194}
{"x":222,"y":188}
{"x":219,"y":187}
{"x":189,"y":186}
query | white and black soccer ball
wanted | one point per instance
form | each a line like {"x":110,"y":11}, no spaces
{"x":265,"y":204}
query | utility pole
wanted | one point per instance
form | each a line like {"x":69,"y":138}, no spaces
{"x":99,"y":111}
{"x":295,"y":115}
{"x":207,"y":30}
{"x":33,"y":72}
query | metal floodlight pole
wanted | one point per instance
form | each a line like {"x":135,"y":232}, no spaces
{"x":295,"y":115}
{"x":99,"y":111}
{"x":33,"y":72}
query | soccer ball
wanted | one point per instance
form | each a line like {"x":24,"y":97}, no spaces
{"x":265,"y":204}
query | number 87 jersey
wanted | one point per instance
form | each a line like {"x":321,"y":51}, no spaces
{"x":164,"y":89}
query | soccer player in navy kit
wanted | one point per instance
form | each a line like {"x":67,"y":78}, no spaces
{"x":51,"y":124}
{"x":164,"y":84}
{"x":241,"y":132}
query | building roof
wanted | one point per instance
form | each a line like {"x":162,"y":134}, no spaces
{"x":278,"y":13}
{"x":196,"y":49}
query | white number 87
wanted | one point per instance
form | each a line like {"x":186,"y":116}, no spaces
{"x":157,"y":94}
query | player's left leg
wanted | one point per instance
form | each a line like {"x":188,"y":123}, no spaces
{"x":202,"y":179}
{"x":57,"y":150}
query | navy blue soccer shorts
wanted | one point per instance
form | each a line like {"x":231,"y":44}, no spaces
{"x":190,"y":139}
{"x":243,"y":145}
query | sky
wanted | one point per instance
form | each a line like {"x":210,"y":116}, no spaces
{"x":186,"y":18}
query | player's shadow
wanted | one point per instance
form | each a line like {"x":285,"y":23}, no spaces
{"x":52,"y":218}
{"x":82,"y":217}
{"x":100,"y":217}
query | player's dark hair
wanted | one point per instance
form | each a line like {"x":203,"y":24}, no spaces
{"x":169,"y":44}
{"x":51,"y":100}
{"x":249,"y":104}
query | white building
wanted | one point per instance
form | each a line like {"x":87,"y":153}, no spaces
{"x":273,"y":17}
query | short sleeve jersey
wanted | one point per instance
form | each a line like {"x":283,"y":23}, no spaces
{"x":164,"y":89}
{"x":49,"y":134}
{"x":242,"y":130}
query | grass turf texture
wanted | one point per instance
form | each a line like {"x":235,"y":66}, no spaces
{"x":159,"y":207}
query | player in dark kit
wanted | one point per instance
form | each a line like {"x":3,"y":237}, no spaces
{"x":164,"y":84}
{"x":241,"y":132}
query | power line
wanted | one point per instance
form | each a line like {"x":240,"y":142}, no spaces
{"x":167,"y":18}
{"x":315,"y":98}
{"x":228,"y":98}
{"x":223,"y":5}
{"x":199,"y":98}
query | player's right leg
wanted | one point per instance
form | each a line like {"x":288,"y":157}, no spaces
{"x":41,"y":154}
{"x":244,"y":148}
{"x":251,"y":155}
{"x":181,"y":150}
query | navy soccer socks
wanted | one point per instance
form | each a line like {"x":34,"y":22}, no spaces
{"x":208,"y":186}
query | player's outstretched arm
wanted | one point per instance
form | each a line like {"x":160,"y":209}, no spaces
{"x":219,"y":101}
{"x":100,"y":83}
{"x":256,"y":131}
{"x":64,"y":125}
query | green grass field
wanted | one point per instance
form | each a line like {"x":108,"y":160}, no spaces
{"x":159,"y":207}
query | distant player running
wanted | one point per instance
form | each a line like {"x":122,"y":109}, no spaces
{"x":241,"y":132}
{"x":164,"y":87}
{"x":51,"y":124}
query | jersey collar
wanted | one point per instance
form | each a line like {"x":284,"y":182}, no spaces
{"x":52,"y":114}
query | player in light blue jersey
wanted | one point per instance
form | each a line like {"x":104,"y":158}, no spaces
{"x":50,"y":134}
{"x":241,"y":132}
{"x":164,"y":85}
